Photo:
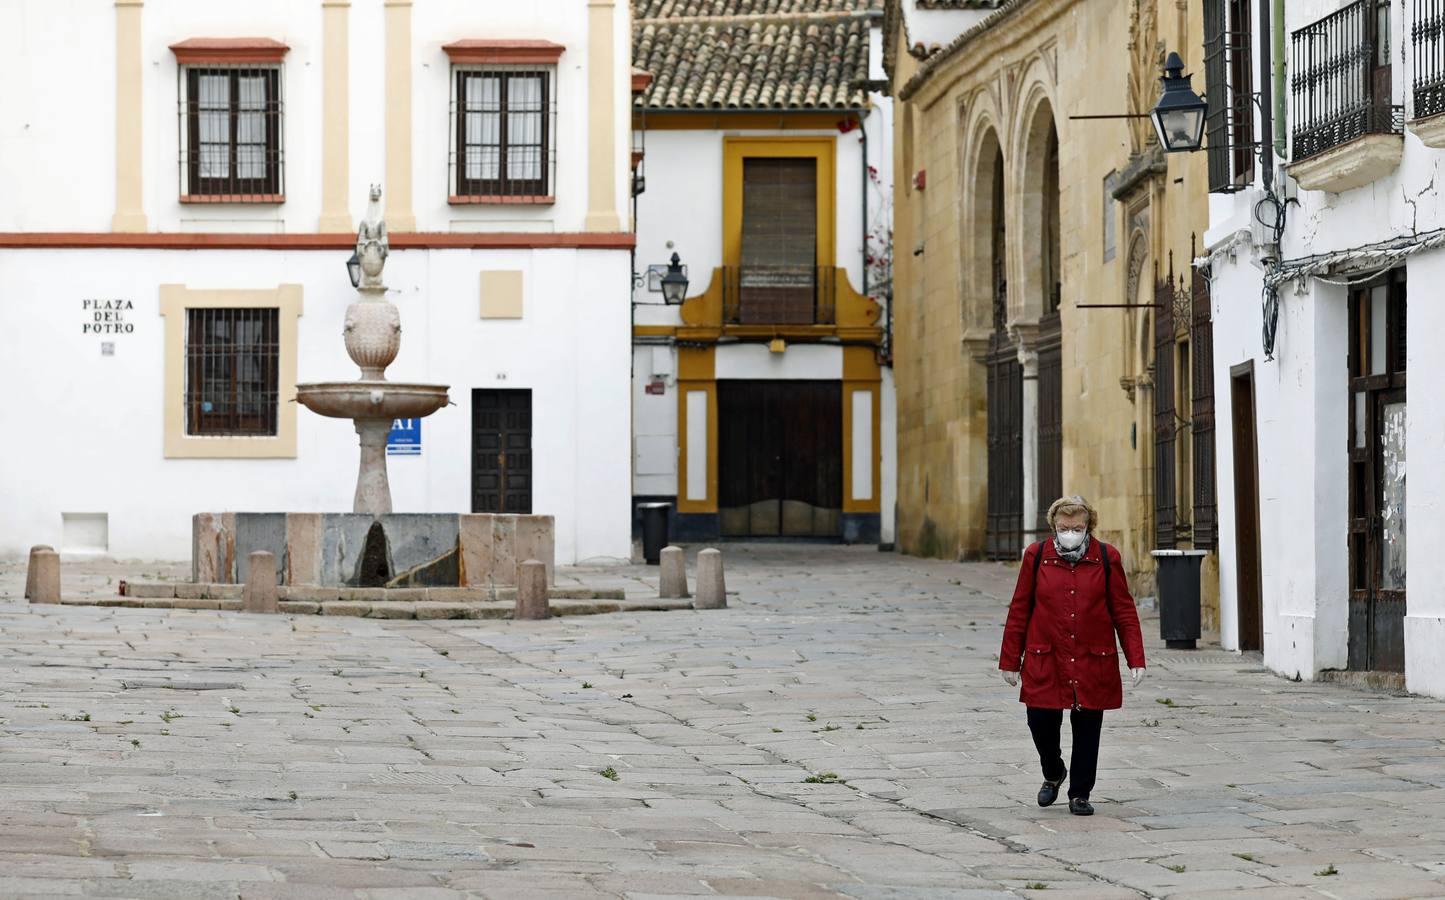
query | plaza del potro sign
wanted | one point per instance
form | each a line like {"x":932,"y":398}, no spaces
{"x":106,"y":316}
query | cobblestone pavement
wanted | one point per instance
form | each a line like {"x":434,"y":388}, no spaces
{"x":649,"y":755}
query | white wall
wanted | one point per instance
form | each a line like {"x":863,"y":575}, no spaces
{"x":938,"y":26}
{"x":57,"y":136}
{"x":93,"y":424}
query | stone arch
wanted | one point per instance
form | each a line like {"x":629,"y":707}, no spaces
{"x":983,"y":166}
{"x":1138,"y":339}
{"x":1038,"y":199}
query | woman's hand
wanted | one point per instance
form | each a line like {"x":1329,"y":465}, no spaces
{"x":1137,"y":675}
{"x":1011,"y":678}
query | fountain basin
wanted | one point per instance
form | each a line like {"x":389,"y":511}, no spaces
{"x":372,"y":399}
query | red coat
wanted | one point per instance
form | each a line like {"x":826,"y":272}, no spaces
{"x":1066,"y":649}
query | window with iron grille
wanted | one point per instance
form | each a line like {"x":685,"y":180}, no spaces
{"x":1427,"y":34}
{"x":232,"y":371}
{"x":1342,"y":82}
{"x":231,"y":134}
{"x":1229,"y":122}
{"x":503,"y":135}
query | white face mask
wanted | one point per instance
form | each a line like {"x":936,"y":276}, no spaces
{"x":1070,"y":540}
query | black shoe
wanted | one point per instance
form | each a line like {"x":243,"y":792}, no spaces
{"x":1080,"y":807}
{"x":1050,"y":791}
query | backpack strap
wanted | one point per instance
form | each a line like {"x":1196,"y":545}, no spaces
{"x":1034,"y":588}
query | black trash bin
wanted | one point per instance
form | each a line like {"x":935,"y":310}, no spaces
{"x":654,"y":530}
{"x":1178,"y":578}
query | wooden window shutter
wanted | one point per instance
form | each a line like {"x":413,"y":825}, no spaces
{"x":779,"y":241}
{"x":1206,"y":527}
{"x":1164,"y":430}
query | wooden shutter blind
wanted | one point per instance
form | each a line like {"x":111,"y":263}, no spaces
{"x":1206,"y":530}
{"x":779,"y":241}
{"x":1165,"y":497}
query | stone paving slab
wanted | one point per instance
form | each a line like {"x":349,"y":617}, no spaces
{"x":156,"y":752}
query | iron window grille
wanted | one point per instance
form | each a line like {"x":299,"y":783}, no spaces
{"x":1427,"y":34}
{"x":232,"y":371}
{"x":1229,"y":122}
{"x":780,"y":296}
{"x":503,"y":134}
{"x":231,"y":135}
{"x":1341,"y":84}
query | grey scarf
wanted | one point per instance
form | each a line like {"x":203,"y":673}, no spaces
{"x":1075,"y":554}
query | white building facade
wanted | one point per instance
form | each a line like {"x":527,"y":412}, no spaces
{"x":1316,"y":324}
{"x":173,"y":256}
{"x":772,"y":182}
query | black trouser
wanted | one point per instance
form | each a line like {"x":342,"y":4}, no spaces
{"x":1044,"y":725}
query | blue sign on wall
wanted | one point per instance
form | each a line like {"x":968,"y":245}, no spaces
{"x":404,"y":438}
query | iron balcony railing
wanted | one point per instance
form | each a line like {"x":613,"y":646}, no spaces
{"x":1341,"y":83}
{"x":780,"y":295}
{"x":1427,"y":36}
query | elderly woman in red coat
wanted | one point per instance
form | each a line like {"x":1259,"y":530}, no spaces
{"x":1071,"y":599}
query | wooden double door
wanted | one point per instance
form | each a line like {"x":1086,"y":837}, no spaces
{"x":780,"y":458}
{"x":502,"y":451}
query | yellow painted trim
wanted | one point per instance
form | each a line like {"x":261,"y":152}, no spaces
{"x":752,"y":121}
{"x":601,"y":118}
{"x":175,"y":299}
{"x":399,"y":213}
{"x":861,"y":372}
{"x":851,"y":504}
{"x":696,"y":371}
{"x":735,"y":150}
{"x":335,"y":117}
{"x":654,"y":330}
{"x":129,"y":175}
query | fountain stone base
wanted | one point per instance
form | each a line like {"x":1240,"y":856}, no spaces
{"x":399,"y":550}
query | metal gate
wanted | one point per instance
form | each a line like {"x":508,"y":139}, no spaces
{"x":1003,"y":537}
{"x":1377,"y":475}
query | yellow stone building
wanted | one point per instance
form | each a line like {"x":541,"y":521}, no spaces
{"x":1036,"y":218}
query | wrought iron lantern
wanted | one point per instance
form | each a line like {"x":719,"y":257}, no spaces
{"x":353,"y":269}
{"x":674,"y":283}
{"x":1178,"y":117}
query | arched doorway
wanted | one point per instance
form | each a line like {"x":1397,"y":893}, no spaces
{"x":1004,"y":533}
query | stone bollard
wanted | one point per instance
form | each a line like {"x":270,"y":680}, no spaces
{"x":532,"y":591}
{"x":259,"y":594}
{"x":43,"y":579}
{"x":711,"y":591}
{"x":673,"y":583}
{"x":30,"y":570}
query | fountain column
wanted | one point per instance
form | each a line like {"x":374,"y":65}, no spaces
{"x":373,"y":491}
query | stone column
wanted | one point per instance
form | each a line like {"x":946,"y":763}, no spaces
{"x":31,"y":571}
{"x":601,"y":117}
{"x":373,"y":491}
{"x":711,"y":588}
{"x":129,"y":120}
{"x":45,"y":575}
{"x":532,"y":591}
{"x":259,"y":594}
{"x":1029,"y":359}
{"x":673,"y":583}
{"x":399,"y":213}
{"x":336,"y":115}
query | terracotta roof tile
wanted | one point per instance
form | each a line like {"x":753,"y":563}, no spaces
{"x":752,"y":54}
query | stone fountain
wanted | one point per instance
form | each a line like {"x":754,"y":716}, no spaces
{"x":372,"y":547}
{"x":373,"y":338}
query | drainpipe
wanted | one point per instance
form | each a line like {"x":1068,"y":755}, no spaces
{"x":864,"y":198}
{"x":1278,"y":34}
{"x":1269,"y":72}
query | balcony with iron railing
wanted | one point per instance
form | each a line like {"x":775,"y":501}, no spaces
{"x":1347,"y":132}
{"x":777,"y":295}
{"x":1427,"y":88}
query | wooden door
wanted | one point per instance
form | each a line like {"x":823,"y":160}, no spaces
{"x":1248,"y":591}
{"x":502,"y":451}
{"x":780,"y":458}
{"x":1377,"y":475}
